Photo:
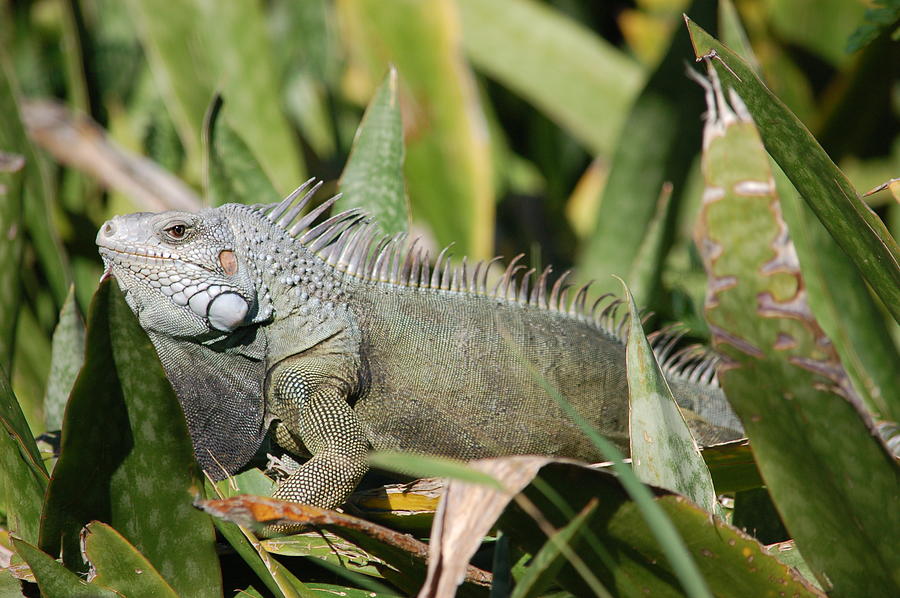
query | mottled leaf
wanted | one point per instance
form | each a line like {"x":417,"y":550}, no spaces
{"x":65,"y":361}
{"x":232,"y":173}
{"x":23,"y":479}
{"x":663,"y":452}
{"x":818,"y":454}
{"x":373,"y":177}
{"x":54,"y":580}
{"x":577,"y":78}
{"x":448,"y":161}
{"x":124,"y":420}
{"x":120,"y":566}
{"x":856,"y":228}
{"x":12,"y":192}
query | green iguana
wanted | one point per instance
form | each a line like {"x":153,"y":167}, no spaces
{"x":344,"y":342}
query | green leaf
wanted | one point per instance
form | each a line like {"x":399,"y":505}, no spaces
{"x":574,"y":76}
{"x":621,"y":549}
{"x":546,"y":564}
{"x":120,"y":566}
{"x":424,"y":466}
{"x":232,"y":173}
{"x":663,"y":452}
{"x":657,"y":145}
{"x":197,"y":48}
{"x":54,"y":580}
{"x":448,"y":161}
{"x":858,"y":230}
{"x":662,"y":528}
{"x":822,"y":462}
{"x":65,"y":361}
{"x":126,"y":457}
{"x":373,"y":177}
{"x":12,"y":193}
{"x":882,"y":17}
{"x":37,"y":206}
{"x":23,"y":479}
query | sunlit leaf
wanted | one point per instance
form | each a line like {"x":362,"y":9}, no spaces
{"x":373,"y":177}
{"x":65,"y":361}
{"x":820,"y":459}
{"x":54,"y":580}
{"x":118,"y":565}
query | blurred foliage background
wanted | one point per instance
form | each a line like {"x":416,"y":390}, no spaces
{"x":563,"y":129}
{"x":540,"y":127}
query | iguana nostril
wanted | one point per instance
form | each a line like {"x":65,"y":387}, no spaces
{"x":109,"y":229}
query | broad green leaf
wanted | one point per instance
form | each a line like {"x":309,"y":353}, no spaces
{"x":731,"y":30}
{"x":37,"y":205}
{"x":126,"y":457}
{"x":197,"y":48}
{"x":877,"y":20}
{"x":663,"y":452}
{"x":232,"y":173}
{"x":658,"y":143}
{"x":329,"y":589}
{"x":787,"y":553}
{"x":23,"y":479}
{"x":118,"y":565}
{"x":10,"y":586}
{"x":65,"y":361}
{"x":424,"y":466}
{"x":821,"y":461}
{"x":577,"y":78}
{"x":54,"y":580}
{"x":373,"y":177}
{"x":858,"y":230}
{"x":819,"y":26}
{"x":448,"y":161}
{"x":319,"y":545}
{"x":620,"y":548}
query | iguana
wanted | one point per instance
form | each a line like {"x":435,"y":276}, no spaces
{"x":343,"y":341}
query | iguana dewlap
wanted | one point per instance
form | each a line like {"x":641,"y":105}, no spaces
{"x":344,"y":342}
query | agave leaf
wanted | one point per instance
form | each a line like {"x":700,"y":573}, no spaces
{"x":815,"y":448}
{"x":663,"y":452}
{"x":54,"y":580}
{"x":658,"y":143}
{"x":856,"y":228}
{"x":373,"y":177}
{"x":575,"y":77}
{"x":12,"y":191}
{"x":65,"y":361}
{"x":120,"y":566}
{"x":126,"y":457}
{"x":233,"y":174}
{"x":448,"y":160}
{"x":23,"y":479}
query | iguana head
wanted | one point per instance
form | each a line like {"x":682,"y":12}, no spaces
{"x":180,"y":272}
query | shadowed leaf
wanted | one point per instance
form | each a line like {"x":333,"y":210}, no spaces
{"x":12,"y":192}
{"x":125,"y":421}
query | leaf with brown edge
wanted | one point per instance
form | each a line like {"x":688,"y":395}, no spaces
{"x":815,"y":447}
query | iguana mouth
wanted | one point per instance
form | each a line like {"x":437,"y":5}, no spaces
{"x":150,"y":256}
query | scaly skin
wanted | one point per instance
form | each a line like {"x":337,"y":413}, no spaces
{"x":339,"y":361}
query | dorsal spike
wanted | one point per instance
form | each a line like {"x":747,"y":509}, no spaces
{"x":507,"y":274}
{"x":554,"y":292}
{"x":361,"y":251}
{"x":397,"y":257}
{"x":487,"y":270}
{"x":476,"y":276}
{"x":285,"y":220}
{"x":446,"y":273}
{"x":524,"y":281}
{"x":406,"y":269}
{"x":539,"y":292}
{"x":313,"y":233}
{"x":425,"y":274}
{"x":436,"y":274}
{"x":305,"y":222}
{"x":580,"y":301}
{"x":463,"y":276}
{"x":562,"y":304}
{"x":275,"y":211}
{"x":329,"y":234}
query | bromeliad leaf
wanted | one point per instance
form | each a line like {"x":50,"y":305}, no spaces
{"x":373,"y":177}
{"x":815,"y":448}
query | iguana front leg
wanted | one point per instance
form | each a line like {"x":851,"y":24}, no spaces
{"x":309,"y":396}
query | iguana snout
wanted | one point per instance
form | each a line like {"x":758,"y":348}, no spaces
{"x":178,"y":270}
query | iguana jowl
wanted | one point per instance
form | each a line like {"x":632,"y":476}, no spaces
{"x":348,"y":342}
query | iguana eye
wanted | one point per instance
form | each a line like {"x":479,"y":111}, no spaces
{"x":176,"y":231}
